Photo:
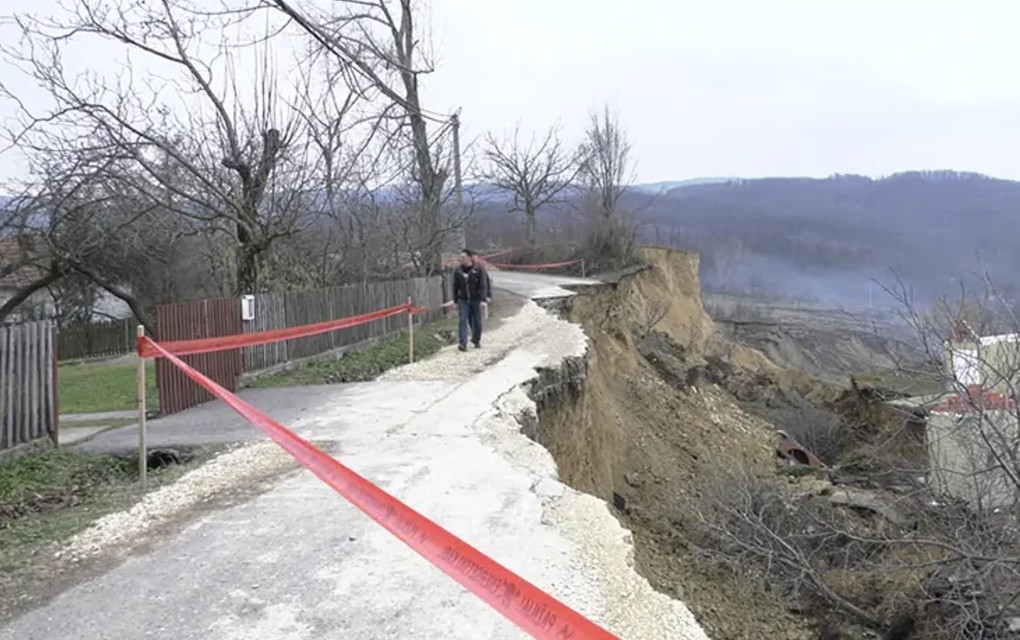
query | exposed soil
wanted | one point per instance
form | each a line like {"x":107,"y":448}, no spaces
{"x":829,"y":343}
{"x":667,"y":411}
{"x":649,"y":427}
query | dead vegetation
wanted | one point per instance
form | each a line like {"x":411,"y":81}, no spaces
{"x":676,"y":427}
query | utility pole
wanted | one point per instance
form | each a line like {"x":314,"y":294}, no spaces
{"x":458,"y":185}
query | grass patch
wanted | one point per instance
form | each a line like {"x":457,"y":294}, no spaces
{"x":49,"y":497}
{"x":53,"y":480}
{"x":367,"y":364}
{"x":53,"y":495}
{"x":100,"y":387}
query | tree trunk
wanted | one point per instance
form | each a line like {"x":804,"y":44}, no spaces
{"x":530,"y":227}
{"x":252,"y":239}
{"x":132,"y":302}
{"x":247,"y":270}
{"x":432,"y":187}
{"x":431,"y":180}
{"x":246,"y":261}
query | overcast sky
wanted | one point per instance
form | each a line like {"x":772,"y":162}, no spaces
{"x":743,"y":88}
{"x":750,"y":87}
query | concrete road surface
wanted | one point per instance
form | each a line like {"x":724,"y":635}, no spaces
{"x":215,"y":423}
{"x":535,"y":286}
{"x":298,"y":562}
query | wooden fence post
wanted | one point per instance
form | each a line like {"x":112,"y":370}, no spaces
{"x":54,"y":388}
{"x":143,"y":455}
{"x":410,"y":333}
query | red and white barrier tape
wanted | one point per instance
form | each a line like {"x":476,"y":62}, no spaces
{"x":534,"y":611}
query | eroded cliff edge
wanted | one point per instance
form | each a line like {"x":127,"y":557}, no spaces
{"x":642,"y":421}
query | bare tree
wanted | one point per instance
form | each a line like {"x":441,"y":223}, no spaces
{"x":606,"y":172}
{"x":193,"y":144}
{"x":652,"y":314}
{"x":535,"y":174}
{"x":377,"y":44}
{"x":76,"y":224}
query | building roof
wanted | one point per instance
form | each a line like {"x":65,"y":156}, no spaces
{"x":11,"y":253}
{"x":975,"y":399}
{"x":1005,"y":337}
{"x":963,"y":332}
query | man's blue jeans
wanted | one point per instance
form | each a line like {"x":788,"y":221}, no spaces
{"x":469,"y":315}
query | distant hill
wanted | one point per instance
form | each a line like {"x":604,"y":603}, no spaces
{"x":669,"y":185}
{"x":825,"y":239}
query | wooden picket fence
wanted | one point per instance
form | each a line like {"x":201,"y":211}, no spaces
{"x":187,"y":321}
{"x":96,"y":340}
{"x":28,"y":384}
{"x":211,"y":318}
{"x":282,"y":310}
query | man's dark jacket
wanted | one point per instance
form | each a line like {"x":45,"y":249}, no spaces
{"x":470,"y":284}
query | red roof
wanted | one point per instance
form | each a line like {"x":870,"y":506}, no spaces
{"x":975,"y":399}
{"x":963,"y":333}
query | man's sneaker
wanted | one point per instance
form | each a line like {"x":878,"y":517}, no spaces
{"x":461,"y":347}
{"x":478,"y":345}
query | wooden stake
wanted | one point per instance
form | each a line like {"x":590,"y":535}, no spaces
{"x":143,"y":454}
{"x":410,"y":333}
{"x":582,"y":268}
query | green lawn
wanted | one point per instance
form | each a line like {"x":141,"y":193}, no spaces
{"x":361,"y":366}
{"x":94,"y":388}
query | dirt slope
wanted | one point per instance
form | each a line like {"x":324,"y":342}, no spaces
{"x":828,"y":342}
{"x":644,"y":425}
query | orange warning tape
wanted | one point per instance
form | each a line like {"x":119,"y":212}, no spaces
{"x":537,"y":267}
{"x":453,"y":262}
{"x":238,"y":341}
{"x":521,"y":602}
{"x":498,"y":253}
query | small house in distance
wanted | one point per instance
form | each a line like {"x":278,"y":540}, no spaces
{"x":973,"y":438}
{"x":991,"y":362}
{"x":973,"y":431}
{"x":16,"y":274}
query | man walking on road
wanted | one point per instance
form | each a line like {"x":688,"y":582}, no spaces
{"x":470,"y":292}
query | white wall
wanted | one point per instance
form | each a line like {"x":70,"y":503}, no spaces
{"x":966,"y":366}
{"x":962,"y":464}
